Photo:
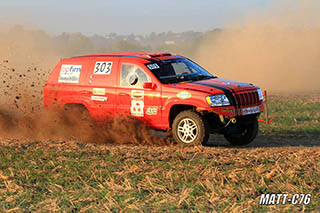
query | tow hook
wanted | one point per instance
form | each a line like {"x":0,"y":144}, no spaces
{"x":222,"y":119}
{"x":233,"y":120}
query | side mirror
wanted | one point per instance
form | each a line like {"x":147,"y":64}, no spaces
{"x":149,"y":85}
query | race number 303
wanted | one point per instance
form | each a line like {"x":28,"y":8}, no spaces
{"x":102,"y":68}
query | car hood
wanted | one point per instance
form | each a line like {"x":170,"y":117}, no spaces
{"x":215,"y":85}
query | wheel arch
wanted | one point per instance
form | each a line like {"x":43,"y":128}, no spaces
{"x":176,"y":109}
{"x":73,"y":102}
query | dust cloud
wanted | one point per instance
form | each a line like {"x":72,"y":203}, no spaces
{"x":278,"y":50}
{"x":22,"y":115}
{"x":26,"y":60}
{"x":65,"y":125}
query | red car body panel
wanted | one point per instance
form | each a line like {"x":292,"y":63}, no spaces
{"x":104,"y":98}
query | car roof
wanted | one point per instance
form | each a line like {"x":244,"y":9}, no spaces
{"x":149,"y":56}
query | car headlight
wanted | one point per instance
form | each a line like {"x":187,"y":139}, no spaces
{"x":218,"y":100}
{"x":261,"y":97}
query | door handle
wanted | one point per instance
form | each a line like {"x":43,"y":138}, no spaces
{"x":123,"y":94}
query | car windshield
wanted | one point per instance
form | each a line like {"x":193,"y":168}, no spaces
{"x":178,"y":70}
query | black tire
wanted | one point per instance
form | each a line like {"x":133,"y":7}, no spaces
{"x":200,"y":134}
{"x":248,"y":133}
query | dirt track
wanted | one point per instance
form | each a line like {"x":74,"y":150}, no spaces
{"x":271,"y":141}
{"x":215,"y":141}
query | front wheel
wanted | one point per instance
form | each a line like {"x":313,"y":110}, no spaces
{"x":248,"y":132}
{"x":189,"y":128}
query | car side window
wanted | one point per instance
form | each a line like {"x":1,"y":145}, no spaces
{"x":133,"y":76}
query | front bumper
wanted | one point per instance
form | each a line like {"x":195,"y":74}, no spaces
{"x":232,"y":112}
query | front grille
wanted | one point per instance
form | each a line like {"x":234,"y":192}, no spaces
{"x":243,"y":99}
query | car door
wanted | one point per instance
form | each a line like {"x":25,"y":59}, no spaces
{"x":102,"y":87}
{"x":135,"y":100}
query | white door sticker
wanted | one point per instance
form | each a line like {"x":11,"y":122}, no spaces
{"x":99,"y":98}
{"x":137,"y":94}
{"x":152,"y":110}
{"x":69,"y":73}
{"x":102,"y":68}
{"x":98,"y":91}
{"x":137,"y":108}
{"x":153,"y":66}
{"x":137,"y":103}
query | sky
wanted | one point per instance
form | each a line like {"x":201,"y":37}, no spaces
{"x":127,"y":16}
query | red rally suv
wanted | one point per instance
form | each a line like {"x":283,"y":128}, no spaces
{"x":168,"y":92}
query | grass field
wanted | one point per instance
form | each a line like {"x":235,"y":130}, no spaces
{"x":72,"y":176}
{"x":294,"y":115}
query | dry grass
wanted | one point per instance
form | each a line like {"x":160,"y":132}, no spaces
{"x":73,"y":176}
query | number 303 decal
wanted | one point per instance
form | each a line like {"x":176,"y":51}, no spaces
{"x":102,"y":67}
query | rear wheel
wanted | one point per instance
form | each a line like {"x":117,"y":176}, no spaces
{"x":248,"y":132}
{"x":78,"y":123}
{"x":77,"y":115}
{"x":189,"y":128}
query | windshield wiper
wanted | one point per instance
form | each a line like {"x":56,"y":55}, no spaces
{"x":184,"y":78}
{"x":201,"y":77}
{"x":176,"y":76}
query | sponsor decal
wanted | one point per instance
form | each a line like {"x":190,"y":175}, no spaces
{"x":243,"y":85}
{"x":153,"y":66}
{"x":250,"y":110}
{"x":226,"y":83}
{"x":227,"y":110}
{"x":137,"y":108}
{"x":99,"y":91}
{"x":99,"y":98}
{"x":137,"y":103}
{"x":184,"y":95}
{"x":132,"y":78}
{"x":102,"y":68}
{"x":69,"y":73}
{"x":152,"y":110}
{"x":137,"y":94}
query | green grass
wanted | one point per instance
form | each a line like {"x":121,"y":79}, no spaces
{"x":294,"y":115}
